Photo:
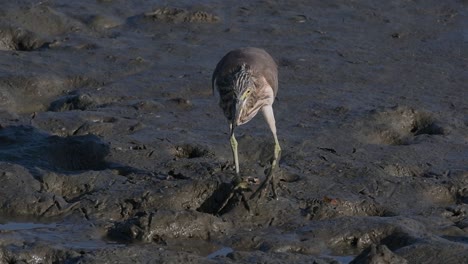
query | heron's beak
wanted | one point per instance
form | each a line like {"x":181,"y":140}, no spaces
{"x":237,"y":111}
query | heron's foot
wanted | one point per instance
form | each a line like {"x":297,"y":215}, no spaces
{"x":240,"y":186}
{"x":267,"y":187}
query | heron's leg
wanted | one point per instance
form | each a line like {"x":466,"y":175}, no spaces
{"x":234,"y":151}
{"x":270,"y":119}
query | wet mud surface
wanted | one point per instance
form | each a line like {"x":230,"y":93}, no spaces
{"x":113,"y":149}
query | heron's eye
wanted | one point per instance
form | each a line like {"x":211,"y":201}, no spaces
{"x":245,"y":94}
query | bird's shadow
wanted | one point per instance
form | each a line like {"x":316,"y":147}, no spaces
{"x":37,"y":150}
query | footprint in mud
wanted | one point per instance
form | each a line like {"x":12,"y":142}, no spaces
{"x":399,"y":126}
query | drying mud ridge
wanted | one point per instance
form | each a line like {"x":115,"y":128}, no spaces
{"x":114,"y":150}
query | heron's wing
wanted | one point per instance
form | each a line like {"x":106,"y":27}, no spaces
{"x":271,"y":76}
{"x":229,"y":63}
{"x":257,"y":59}
{"x":263,"y":64}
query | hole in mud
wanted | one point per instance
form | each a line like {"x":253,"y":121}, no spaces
{"x":19,"y":40}
{"x":397,"y":240}
{"x":190,"y":152}
{"x":429,"y":129}
{"x":80,"y":101}
{"x":398,"y":126}
{"x":213,"y":203}
{"x":416,"y":122}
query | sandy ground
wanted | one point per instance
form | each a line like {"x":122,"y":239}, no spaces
{"x":113,"y":150}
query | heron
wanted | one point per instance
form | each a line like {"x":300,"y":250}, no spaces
{"x":247,"y":82}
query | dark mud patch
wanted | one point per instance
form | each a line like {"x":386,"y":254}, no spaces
{"x":32,"y":148}
{"x":77,"y":153}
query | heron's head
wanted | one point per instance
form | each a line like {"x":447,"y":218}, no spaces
{"x":243,"y":87}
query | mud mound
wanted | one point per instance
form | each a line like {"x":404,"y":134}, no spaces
{"x":187,"y":151}
{"x":26,"y":197}
{"x":179,"y":15}
{"x":181,"y":103}
{"x":328,"y":208}
{"x":161,"y":225}
{"x":77,"y":101}
{"x":378,"y":254}
{"x":102,"y":22}
{"x":41,"y":18}
{"x":399,"y":126}
{"x":31,"y":93}
{"x":19,"y":39}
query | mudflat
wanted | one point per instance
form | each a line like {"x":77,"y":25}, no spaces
{"x":114,"y":150}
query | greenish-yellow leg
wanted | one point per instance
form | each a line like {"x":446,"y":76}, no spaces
{"x":239,"y":185}
{"x":234,"y":152}
{"x":277,"y":153}
{"x":274,"y":164}
{"x":270,"y":118}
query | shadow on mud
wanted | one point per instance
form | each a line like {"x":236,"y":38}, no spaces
{"x":34,"y":150}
